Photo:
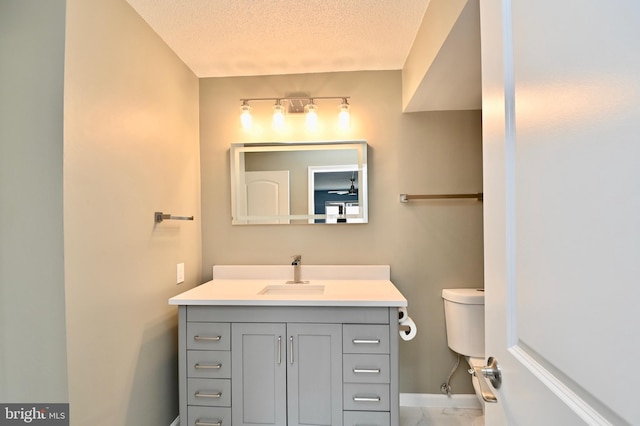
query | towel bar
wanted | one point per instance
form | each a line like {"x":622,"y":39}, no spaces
{"x":159,"y":217}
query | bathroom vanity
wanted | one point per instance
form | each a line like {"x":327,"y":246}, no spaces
{"x":254,"y":350}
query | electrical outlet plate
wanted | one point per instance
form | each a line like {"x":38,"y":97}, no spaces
{"x":180,"y":273}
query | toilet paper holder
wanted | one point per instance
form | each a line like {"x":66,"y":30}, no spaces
{"x":406,"y":326}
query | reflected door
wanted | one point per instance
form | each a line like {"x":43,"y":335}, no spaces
{"x":267,"y":195}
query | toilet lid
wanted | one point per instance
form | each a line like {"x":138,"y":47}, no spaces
{"x":467,"y":296}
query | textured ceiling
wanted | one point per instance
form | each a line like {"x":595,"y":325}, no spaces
{"x":218,"y":38}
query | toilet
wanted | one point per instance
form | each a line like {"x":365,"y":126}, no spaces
{"x":464,"y":319}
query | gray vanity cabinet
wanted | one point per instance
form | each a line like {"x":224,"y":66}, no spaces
{"x":259,"y":384}
{"x":286,"y":374}
{"x":314,"y":374}
{"x":290,"y":366}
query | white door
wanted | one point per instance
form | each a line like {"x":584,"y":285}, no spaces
{"x":267,"y":195}
{"x":561,"y":142}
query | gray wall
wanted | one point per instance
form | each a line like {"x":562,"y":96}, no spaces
{"x":429,"y":245}
{"x":131,"y":147}
{"x":33,"y":363}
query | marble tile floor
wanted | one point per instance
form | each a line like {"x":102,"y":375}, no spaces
{"x":439,"y":416}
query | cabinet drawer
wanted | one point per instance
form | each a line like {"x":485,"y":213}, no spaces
{"x":211,"y":392}
{"x":366,"y":397}
{"x":208,"y":416}
{"x":365,"y":339}
{"x":209,"y":336}
{"x":209,"y":364}
{"x":365,"y":368}
{"x":367,"y":418}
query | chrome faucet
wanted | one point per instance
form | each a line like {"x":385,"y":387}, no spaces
{"x":297,"y":261}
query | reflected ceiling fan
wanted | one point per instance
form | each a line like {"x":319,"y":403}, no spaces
{"x":351,"y":191}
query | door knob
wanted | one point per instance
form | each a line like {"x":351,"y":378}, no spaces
{"x":492,"y":372}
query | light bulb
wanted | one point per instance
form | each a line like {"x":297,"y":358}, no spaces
{"x":278,"y":116}
{"x":312,"y":116}
{"x":343,"y":115}
{"x":245,"y":116}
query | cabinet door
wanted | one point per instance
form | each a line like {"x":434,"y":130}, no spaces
{"x":258,"y":374}
{"x":314,"y":374}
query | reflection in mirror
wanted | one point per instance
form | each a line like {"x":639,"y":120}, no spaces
{"x":334,"y":193}
{"x":306,"y":182}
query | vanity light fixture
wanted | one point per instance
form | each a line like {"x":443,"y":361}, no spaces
{"x":343,"y":115}
{"x":245,"y":115}
{"x":294,"y":105}
{"x":278,"y":115}
{"x":312,"y":116}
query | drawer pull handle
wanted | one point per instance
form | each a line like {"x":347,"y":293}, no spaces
{"x":203,"y":423}
{"x":208,"y":338}
{"x":207,"y":366}
{"x":366,"y":399}
{"x":367,"y":370}
{"x":208,"y":395}
{"x":366,"y":341}
{"x":291,"y":348}
{"x":279,"y":350}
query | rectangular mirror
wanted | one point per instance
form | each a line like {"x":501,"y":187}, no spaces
{"x":299,"y":182}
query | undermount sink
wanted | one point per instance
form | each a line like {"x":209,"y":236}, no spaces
{"x":292,"y":289}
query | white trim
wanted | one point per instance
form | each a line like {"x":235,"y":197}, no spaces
{"x":438,"y":400}
{"x":423,"y":400}
{"x":579,"y":406}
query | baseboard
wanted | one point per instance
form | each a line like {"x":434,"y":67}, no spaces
{"x":423,"y":400}
{"x":438,"y":400}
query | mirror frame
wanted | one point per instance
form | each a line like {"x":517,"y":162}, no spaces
{"x":238,"y":150}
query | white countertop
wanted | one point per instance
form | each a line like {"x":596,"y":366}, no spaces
{"x":371,"y":289}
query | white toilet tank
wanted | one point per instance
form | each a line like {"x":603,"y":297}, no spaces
{"x":464,"y":319}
